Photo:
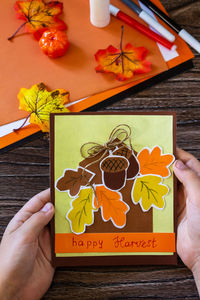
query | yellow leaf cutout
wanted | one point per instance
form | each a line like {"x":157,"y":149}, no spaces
{"x":149,"y":192}
{"x":81,"y":213}
{"x":39,"y":102}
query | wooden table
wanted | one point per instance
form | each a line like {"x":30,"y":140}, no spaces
{"x":24,"y":171}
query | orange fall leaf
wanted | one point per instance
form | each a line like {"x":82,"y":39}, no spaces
{"x":112,"y":206}
{"x":39,"y":16}
{"x":125,"y":62}
{"x":154,"y":162}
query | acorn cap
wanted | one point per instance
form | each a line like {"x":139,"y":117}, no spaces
{"x":113,"y":164}
{"x":123,"y":151}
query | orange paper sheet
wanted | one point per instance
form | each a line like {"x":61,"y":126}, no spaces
{"x":9,"y":107}
{"x":23,"y":64}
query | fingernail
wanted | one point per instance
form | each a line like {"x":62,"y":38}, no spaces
{"x":47,"y":207}
{"x":180,"y":165}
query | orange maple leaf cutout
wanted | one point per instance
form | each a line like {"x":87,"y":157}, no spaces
{"x":39,"y":16}
{"x":112,"y":206}
{"x":154,"y":162}
{"x":124,"y":62}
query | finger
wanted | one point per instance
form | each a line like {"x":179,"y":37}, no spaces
{"x":189,"y":160}
{"x":190,"y":180}
{"x":45,"y":243}
{"x":32,"y":228}
{"x":32,"y":206}
{"x":181,"y":201}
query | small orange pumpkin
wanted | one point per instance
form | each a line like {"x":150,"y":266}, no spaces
{"x":54,"y":43}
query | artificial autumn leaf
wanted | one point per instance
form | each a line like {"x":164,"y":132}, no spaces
{"x":149,"y":192}
{"x":39,"y":102}
{"x":73,"y":180}
{"x":81,"y":213}
{"x":124,"y":62}
{"x":39,"y":16}
{"x":154,"y":162}
{"x":112,"y":206}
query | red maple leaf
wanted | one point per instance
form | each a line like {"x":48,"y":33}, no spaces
{"x":39,"y":16}
{"x":124,"y":62}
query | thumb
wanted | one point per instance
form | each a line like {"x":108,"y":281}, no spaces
{"x":34,"y":225}
{"x":189,"y":179}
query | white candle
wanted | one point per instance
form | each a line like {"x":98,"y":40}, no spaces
{"x":99,"y":12}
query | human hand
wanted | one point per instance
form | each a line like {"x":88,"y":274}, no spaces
{"x":187,"y":170}
{"x":26,"y":272}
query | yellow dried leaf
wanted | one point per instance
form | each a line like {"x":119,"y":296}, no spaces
{"x":39,"y":102}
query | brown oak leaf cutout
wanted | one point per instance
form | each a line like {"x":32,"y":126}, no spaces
{"x":73,"y":180}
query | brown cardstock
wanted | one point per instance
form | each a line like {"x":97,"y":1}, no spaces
{"x":137,"y":221}
{"x":144,"y":226}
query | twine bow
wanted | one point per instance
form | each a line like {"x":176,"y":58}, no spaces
{"x":117,"y":137}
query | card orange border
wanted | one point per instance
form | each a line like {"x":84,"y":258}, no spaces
{"x":114,"y":242}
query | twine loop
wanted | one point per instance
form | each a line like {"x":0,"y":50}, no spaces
{"x":120,"y":134}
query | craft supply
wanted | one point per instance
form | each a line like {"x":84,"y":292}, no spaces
{"x":149,"y":20}
{"x":187,"y":37}
{"x":99,"y":12}
{"x":141,"y":28}
{"x":39,"y":102}
{"x":125,"y":62}
{"x":54,"y":43}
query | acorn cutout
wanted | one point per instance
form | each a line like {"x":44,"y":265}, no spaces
{"x":133,"y":168}
{"x":114,"y":171}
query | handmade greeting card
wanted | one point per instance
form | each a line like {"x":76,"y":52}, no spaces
{"x":113,"y":188}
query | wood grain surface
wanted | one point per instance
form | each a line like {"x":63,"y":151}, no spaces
{"x":24,"y":171}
